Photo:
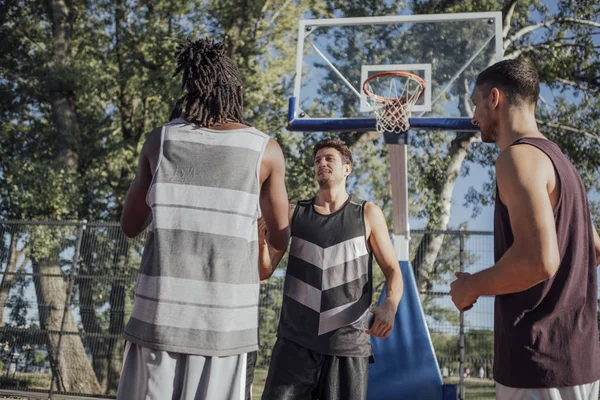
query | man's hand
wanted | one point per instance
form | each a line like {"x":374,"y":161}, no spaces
{"x":383,"y":250}
{"x":384,"y":319}
{"x":264,"y":255}
{"x":262,"y":232}
{"x":462,"y":297}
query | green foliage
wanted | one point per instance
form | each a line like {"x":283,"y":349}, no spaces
{"x":270,"y":307}
{"x":36,"y":358}
{"x":18,"y":303}
{"x":479,"y":349}
{"x":116,"y":78}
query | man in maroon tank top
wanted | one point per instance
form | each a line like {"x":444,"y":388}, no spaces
{"x":546,"y":251}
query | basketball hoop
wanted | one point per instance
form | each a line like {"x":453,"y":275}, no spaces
{"x":392,"y":111}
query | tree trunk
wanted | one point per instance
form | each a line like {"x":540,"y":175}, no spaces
{"x":431,"y":243}
{"x":117,"y":317}
{"x":71,"y":366}
{"x":115,"y":346}
{"x":91,"y":325}
{"x":8,"y":278}
{"x":60,"y":91}
{"x":70,"y":363}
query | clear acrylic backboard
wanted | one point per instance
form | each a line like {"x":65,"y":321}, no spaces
{"x":335,"y":56}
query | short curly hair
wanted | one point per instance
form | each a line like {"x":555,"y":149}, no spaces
{"x":337,"y":144}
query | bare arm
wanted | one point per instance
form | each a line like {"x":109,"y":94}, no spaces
{"x":269,"y":258}
{"x":273,"y":196}
{"x":385,"y":254}
{"x":523,"y":173}
{"x":136,"y":213}
{"x":597,"y":245}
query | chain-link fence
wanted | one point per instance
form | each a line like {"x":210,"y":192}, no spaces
{"x":463,"y":342}
{"x":67,"y":291}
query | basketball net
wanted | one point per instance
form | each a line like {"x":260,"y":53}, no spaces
{"x":393,"y":107}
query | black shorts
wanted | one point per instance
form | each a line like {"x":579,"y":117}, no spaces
{"x":297,"y":373}
{"x":250,"y":366}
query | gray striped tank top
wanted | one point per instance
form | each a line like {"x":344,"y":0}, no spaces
{"x":198,"y":287}
{"x":328,"y":283}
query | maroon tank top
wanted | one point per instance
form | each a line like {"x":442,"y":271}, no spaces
{"x":547,"y":336}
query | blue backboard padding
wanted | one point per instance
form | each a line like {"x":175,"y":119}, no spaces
{"x":405,"y":365}
{"x":368,"y":124}
{"x":301,"y":124}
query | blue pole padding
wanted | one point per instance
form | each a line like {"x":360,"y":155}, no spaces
{"x":450,"y":391}
{"x":405,"y":364}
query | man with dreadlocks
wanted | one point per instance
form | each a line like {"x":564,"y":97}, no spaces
{"x":201,"y":181}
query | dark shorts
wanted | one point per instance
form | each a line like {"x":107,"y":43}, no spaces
{"x":297,"y":373}
{"x":250,"y":366}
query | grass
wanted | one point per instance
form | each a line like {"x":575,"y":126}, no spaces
{"x":260,"y":376}
{"x":27,"y":380}
{"x":476,"y":389}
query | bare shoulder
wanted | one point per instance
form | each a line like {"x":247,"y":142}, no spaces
{"x":273,"y":150}
{"x":373,"y":214}
{"x":523,"y":164}
{"x":273,"y":157}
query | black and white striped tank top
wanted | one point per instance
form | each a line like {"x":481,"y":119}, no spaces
{"x":328,"y":284}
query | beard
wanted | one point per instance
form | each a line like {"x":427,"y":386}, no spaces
{"x":327,"y":179}
{"x":323,"y":180}
{"x":490,"y":133}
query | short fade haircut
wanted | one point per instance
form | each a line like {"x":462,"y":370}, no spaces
{"x":337,"y":144}
{"x":518,"y":79}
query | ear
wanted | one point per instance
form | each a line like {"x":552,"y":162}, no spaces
{"x":494,"y":98}
{"x":347,"y":170}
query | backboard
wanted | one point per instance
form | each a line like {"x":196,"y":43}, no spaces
{"x":335,"y":56}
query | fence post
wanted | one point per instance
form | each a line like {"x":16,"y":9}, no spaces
{"x":80,"y":228}
{"x":461,"y":365}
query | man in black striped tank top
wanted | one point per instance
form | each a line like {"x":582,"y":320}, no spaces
{"x":546,"y":249}
{"x":323,"y":346}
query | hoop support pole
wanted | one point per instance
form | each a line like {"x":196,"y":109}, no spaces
{"x":401,"y":229}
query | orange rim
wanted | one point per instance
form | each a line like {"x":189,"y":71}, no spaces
{"x":382,"y":99}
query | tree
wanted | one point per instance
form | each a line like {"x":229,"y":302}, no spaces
{"x":84,"y":83}
{"x":564,"y":54}
{"x":270,"y":308}
{"x":61,"y":108}
{"x":559,"y":42}
{"x":15,"y":260}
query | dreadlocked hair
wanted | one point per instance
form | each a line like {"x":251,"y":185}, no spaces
{"x":211,"y":81}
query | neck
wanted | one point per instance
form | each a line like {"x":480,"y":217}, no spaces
{"x":331,"y":199}
{"x":229,"y":125}
{"x":517,"y":123}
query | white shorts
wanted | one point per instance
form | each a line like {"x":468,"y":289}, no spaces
{"x":588,"y":391}
{"x":159,"y":375}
